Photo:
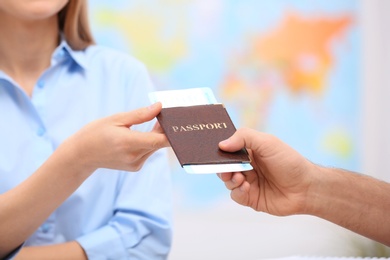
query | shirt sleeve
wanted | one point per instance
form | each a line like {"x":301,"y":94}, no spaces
{"x":140,"y":227}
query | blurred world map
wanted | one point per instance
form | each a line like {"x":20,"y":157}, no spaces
{"x":286,"y":67}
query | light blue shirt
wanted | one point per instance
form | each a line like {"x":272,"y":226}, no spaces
{"x":113,"y":215}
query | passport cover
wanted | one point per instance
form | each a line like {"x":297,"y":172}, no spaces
{"x":195,"y":131}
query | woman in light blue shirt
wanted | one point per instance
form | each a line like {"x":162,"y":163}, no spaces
{"x":25,"y":207}
{"x":53,"y":81}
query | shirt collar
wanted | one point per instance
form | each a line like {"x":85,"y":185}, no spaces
{"x":64,"y":50}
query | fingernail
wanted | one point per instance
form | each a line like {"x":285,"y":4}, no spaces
{"x":152,"y":106}
{"x":224,"y":142}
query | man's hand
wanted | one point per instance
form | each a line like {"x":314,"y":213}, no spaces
{"x":279,"y":180}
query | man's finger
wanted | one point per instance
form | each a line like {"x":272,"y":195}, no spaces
{"x":243,"y":137}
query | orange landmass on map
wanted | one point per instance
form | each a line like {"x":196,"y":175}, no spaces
{"x":296,"y":54}
{"x":301,"y":49}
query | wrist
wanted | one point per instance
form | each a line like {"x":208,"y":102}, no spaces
{"x":320,"y":180}
{"x":73,"y":158}
{"x":328,"y":191}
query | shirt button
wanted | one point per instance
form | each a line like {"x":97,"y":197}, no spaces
{"x":45,"y":228}
{"x":40,"y":84}
{"x":41,"y":131}
{"x":61,"y":53}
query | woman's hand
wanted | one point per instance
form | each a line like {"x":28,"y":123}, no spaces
{"x":110,"y":143}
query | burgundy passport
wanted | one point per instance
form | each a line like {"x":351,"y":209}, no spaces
{"x":195,"y":131}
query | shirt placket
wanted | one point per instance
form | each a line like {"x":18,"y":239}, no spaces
{"x":43,"y":149}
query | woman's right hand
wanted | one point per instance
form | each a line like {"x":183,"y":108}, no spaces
{"x":110,"y":143}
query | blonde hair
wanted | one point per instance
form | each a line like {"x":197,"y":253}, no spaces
{"x":73,"y":23}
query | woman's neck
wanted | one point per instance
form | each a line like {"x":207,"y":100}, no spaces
{"x":26,"y":48}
